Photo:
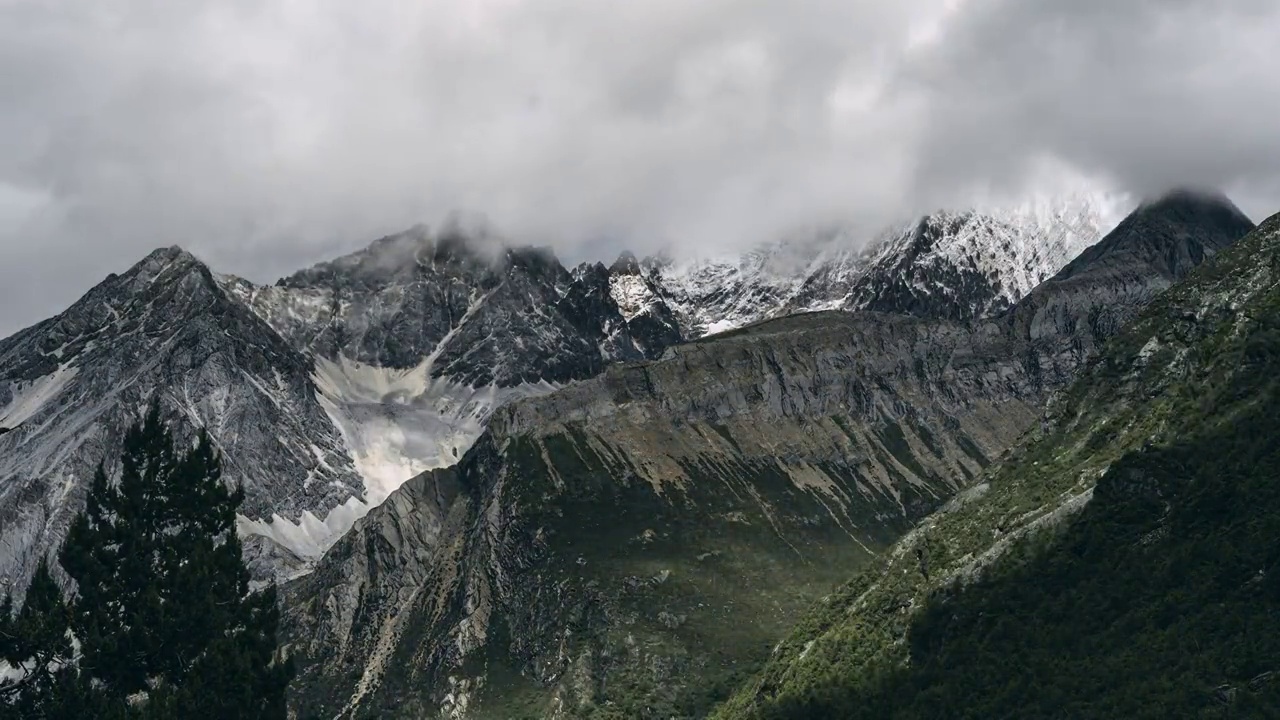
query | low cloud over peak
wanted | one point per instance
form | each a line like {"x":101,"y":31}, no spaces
{"x":265,"y":136}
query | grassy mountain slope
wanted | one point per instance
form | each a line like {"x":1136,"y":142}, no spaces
{"x":1121,"y":563}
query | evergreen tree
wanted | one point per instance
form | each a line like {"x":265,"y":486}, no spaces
{"x":163,"y":606}
{"x":37,"y":643}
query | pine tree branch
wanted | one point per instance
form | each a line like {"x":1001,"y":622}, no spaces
{"x":40,"y":669}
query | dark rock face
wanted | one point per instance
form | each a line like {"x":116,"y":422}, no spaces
{"x":633,"y":539}
{"x":244,"y":361}
{"x":1169,"y":236}
{"x":905,"y":282}
{"x":1102,"y":290}
{"x":946,"y":265}
{"x":590,"y":306}
{"x":508,"y":317}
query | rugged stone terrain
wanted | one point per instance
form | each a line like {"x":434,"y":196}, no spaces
{"x":630,"y":545}
{"x":165,"y":331}
{"x":955,"y":265}
{"x":664,"y":494}
{"x":480,"y":316}
{"x":323,"y":393}
{"x":618,"y":519}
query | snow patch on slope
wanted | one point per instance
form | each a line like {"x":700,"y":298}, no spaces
{"x":1025,"y":245}
{"x":396,"y":424}
{"x":1020,"y":245}
{"x":399,"y":423}
{"x":632,"y":293}
{"x":715,"y":293}
{"x":27,"y":397}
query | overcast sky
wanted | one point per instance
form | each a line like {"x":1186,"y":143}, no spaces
{"x":265,"y":135}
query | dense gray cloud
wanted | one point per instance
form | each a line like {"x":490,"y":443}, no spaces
{"x":268,"y":135}
{"x":1147,"y":93}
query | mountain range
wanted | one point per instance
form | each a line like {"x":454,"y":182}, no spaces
{"x":328,"y":389}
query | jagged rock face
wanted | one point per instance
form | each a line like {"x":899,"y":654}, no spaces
{"x":946,"y":265}
{"x":388,"y":361}
{"x":593,"y":304}
{"x":164,"y":331}
{"x":413,"y":298}
{"x":1154,"y":247}
{"x":639,"y":537}
{"x":324,"y":392}
{"x":418,"y":338}
{"x":962,"y":266}
{"x":650,"y":319}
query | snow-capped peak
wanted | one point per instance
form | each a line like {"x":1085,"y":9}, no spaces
{"x":970,"y":263}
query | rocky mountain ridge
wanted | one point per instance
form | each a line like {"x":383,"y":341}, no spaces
{"x":163,"y":330}
{"x":956,"y":265}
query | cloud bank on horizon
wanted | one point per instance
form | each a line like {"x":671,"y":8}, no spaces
{"x":265,"y":136}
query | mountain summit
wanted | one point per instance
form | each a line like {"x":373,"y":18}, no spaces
{"x":162,"y":330}
{"x":1172,"y":233}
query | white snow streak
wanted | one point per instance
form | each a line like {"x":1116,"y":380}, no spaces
{"x":1021,"y":245}
{"x":27,"y":397}
{"x":632,"y":293}
{"x":396,"y":424}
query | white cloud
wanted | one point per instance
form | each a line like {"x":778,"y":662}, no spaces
{"x":268,"y":135}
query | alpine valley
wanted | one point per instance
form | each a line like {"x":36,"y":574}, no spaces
{"x":494,"y":486}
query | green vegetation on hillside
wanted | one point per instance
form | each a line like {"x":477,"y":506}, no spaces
{"x":1161,"y":598}
{"x":669,"y":609}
